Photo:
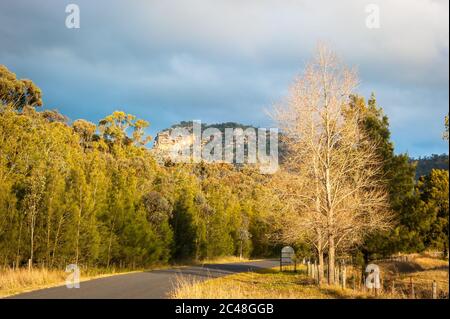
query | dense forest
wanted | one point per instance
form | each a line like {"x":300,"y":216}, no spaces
{"x":424,"y":165}
{"x":92,"y":194}
{"x":421,"y":207}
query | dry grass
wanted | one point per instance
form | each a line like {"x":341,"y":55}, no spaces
{"x":15,"y":281}
{"x":225,"y":260}
{"x":421,"y":269}
{"x":267,"y":284}
{"x":21,"y":280}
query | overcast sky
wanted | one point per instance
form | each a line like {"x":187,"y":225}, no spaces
{"x":229,"y":60}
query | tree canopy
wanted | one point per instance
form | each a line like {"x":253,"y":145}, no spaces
{"x":18,"y":92}
{"x":94,"y":195}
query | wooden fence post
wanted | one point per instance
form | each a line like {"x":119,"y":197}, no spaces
{"x":393,"y":287}
{"x":434,"y":290}
{"x":412,"y":294}
{"x":29,"y":265}
{"x":363,"y":283}
{"x":381,"y":284}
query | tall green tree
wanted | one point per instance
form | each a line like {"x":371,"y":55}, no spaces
{"x":433,"y":191}
{"x":399,"y":173}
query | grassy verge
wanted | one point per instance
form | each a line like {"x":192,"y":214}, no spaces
{"x":272,"y":283}
{"x":264,"y":284}
{"x":421,"y":270}
{"x":15,"y":281}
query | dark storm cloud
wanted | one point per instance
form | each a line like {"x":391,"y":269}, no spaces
{"x":220,"y":60}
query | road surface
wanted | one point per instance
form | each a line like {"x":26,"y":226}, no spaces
{"x":155,"y":284}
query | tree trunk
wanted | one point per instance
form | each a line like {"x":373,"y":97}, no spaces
{"x":80,"y":200}
{"x":331,"y":260}
{"x":55,"y":244}
{"x":18,"y":244}
{"x":321,"y":267}
{"x":77,"y":252}
{"x":320,"y":274}
{"x":109,"y":246}
{"x":110,"y":240}
{"x":33,"y":218}
{"x":77,"y":249}
{"x":109,"y":250}
{"x":49,"y":229}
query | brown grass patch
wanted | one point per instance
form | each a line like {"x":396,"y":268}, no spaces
{"x":267,"y":284}
{"x":396,"y":276}
{"x":422,"y":271}
{"x":15,"y":281}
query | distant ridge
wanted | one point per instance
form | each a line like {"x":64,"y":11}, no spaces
{"x":427,"y":163}
{"x":164,"y":142}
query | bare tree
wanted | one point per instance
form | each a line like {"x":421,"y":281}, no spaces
{"x":340,"y":196}
{"x":299,"y":218}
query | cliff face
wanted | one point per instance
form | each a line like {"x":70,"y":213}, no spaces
{"x":167,"y":141}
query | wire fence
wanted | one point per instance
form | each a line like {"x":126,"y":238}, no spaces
{"x":398,"y":285}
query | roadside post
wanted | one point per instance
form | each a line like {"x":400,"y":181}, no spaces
{"x":287,"y":257}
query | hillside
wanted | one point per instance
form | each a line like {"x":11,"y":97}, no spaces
{"x":427,"y":163}
{"x":396,"y":275}
{"x":165,"y":142}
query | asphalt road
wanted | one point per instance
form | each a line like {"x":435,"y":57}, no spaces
{"x":155,"y":284}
